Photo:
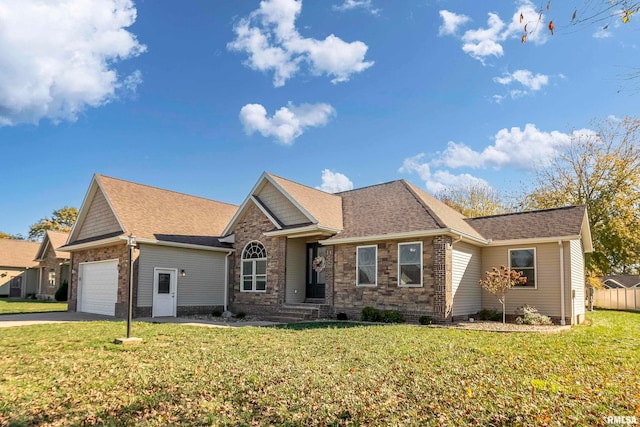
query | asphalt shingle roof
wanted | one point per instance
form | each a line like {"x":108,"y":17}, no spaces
{"x":18,"y":253}
{"x":565,"y":221}
{"x":326,"y":208}
{"x":154,"y":213}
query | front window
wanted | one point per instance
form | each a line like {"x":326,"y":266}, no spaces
{"x":367,"y":266}
{"x":254,"y":268}
{"x":52,"y":278}
{"x":524,"y":262}
{"x":410,"y":264}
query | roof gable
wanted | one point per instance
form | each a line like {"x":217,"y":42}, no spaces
{"x":154,"y":213}
{"x":18,"y":253}
{"x":289,"y":204}
{"x":51,"y":241}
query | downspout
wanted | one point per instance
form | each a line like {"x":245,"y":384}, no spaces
{"x":562,"y":308}
{"x":226,"y":280}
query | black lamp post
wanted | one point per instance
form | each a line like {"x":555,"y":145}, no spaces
{"x":131,"y":242}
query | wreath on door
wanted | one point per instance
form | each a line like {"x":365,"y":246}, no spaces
{"x":318,"y":264}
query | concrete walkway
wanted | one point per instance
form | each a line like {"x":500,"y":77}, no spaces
{"x":10,"y":320}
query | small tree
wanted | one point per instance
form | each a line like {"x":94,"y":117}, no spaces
{"x":499,"y":281}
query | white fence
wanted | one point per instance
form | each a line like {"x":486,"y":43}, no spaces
{"x":617,"y":299}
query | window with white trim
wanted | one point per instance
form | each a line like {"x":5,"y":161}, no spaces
{"x":410,"y":264}
{"x":254,"y":268}
{"x":52,"y":278}
{"x":524,"y":262}
{"x":367,"y":265}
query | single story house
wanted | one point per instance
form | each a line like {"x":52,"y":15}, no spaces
{"x":178,"y":264}
{"x":621,"y":281}
{"x":18,"y":270}
{"x":292,"y":248}
{"x":53,"y":264}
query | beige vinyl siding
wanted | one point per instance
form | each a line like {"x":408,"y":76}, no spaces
{"x":100,"y":219}
{"x":466,"y":273}
{"x":577,"y":277}
{"x":546,"y":297}
{"x":204,"y":280}
{"x":280,"y":206}
{"x":296,"y":270}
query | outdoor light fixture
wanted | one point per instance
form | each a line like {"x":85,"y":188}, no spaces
{"x":183,"y":273}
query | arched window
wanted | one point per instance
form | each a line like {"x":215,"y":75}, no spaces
{"x":254,"y":268}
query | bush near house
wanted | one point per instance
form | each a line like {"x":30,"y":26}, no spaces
{"x":531,"y":316}
{"x":370,"y":314}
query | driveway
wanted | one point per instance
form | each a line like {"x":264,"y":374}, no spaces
{"x":9,"y":320}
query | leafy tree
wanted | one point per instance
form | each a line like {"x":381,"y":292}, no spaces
{"x":602,"y":171}
{"x":4,"y":235}
{"x":499,"y":281}
{"x":473,"y":200}
{"x":61,"y":220}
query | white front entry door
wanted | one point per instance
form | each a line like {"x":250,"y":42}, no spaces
{"x":165,"y":284}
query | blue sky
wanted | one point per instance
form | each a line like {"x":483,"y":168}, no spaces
{"x":202,"y":96}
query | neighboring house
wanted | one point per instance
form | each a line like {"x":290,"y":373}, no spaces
{"x":179,"y":266}
{"x":18,"y":270}
{"x":54,"y":264}
{"x":621,"y":281}
{"x":290,"y":248}
{"x":393,"y":246}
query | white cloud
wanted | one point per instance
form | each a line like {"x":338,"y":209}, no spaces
{"x":451,"y":22}
{"x":525,"y":149}
{"x":334,"y":182}
{"x":439,"y":179}
{"x":355,"y":4}
{"x":524,"y":77}
{"x":57,"y":57}
{"x":270,"y":39}
{"x":521,"y":149}
{"x":287,"y":123}
{"x":485,"y":42}
{"x":442,"y":180}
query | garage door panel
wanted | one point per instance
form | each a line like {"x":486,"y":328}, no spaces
{"x":99,"y":287}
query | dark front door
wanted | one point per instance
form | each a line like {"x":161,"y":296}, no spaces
{"x":15,"y":288}
{"x":315,"y":270}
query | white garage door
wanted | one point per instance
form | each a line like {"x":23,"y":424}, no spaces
{"x":98,"y":290}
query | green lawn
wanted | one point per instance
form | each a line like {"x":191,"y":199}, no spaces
{"x":16,"y":306}
{"x":64,"y":374}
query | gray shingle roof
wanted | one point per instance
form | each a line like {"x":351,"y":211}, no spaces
{"x":395,"y":207}
{"x":559,"y":222}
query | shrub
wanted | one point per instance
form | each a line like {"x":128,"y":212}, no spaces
{"x":342,"y":316}
{"x":391,"y":316}
{"x":530,"y":316}
{"x":425,"y":320}
{"x":216,"y":313}
{"x":493,"y":315}
{"x":370,"y":314}
{"x":241,"y":315}
{"x":61,"y":293}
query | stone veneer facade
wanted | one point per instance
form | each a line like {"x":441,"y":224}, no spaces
{"x":251,"y":228}
{"x":433,"y":298}
{"x":61,"y":269}
{"x":119,"y":252}
{"x":411,"y":301}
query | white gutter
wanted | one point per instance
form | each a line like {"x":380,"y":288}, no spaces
{"x":533,"y":241}
{"x":307,"y":230}
{"x":95,"y":244}
{"x":407,"y":235}
{"x":122,"y":239}
{"x":562,"y":321}
{"x":226,"y":280}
